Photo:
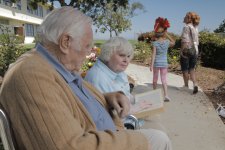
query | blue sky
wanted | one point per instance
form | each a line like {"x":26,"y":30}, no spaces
{"x":212,"y":13}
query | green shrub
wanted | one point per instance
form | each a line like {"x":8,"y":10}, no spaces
{"x":173,"y":56}
{"x":142,"y":51}
{"x":10,"y":49}
{"x":212,"y":50}
{"x":146,"y":37}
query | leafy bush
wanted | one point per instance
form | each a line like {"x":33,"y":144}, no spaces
{"x":146,"y":37}
{"x":142,"y":52}
{"x":10,"y":49}
{"x":173,"y":57}
{"x":212,"y":49}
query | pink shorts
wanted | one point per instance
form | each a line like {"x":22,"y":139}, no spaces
{"x":163,"y":72}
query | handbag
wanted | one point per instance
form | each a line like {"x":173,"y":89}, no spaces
{"x":190,"y":51}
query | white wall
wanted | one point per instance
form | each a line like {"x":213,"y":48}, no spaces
{"x":28,"y":40}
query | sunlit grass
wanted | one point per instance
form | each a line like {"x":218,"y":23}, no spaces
{"x":29,"y":46}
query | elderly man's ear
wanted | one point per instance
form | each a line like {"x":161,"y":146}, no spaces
{"x":64,"y":43}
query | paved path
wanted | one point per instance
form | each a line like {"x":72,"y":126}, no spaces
{"x":190,"y":120}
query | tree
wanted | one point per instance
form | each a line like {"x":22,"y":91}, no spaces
{"x":116,"y":21}
{"x":118,"y":12}
{"x":221,"y":28}
{"x":89,"y":7}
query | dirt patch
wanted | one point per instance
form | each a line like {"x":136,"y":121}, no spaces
{"x":211,"y":81}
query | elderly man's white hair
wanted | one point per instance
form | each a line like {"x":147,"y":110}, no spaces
{"x":118,"y":45}
{"x":63,"y":20}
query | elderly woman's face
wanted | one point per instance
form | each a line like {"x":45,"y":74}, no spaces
{"x":118,"y":62}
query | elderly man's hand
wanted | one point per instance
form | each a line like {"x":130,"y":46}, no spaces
{"x":119,"y":102}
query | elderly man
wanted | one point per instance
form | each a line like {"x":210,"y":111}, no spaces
{"x":51,"y":107}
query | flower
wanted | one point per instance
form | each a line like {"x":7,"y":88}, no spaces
{"x":90,"y":64}
{"x":96,"y":50}
{"x":174,"y":57}
{"x":90,"y":60}
{"x":92,"y":57}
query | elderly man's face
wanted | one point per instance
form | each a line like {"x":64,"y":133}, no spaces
{"x":118,"y":62}
{"x":77,"y":57}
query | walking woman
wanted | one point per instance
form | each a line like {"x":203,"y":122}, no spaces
{"x":189,"y":49}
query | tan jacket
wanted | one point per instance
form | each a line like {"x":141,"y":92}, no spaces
{"x":46,"y":115}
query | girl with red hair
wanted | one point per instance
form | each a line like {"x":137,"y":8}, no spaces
{"x":159,"y":53}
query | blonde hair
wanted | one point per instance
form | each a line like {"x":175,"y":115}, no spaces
{"x":193,"y":18}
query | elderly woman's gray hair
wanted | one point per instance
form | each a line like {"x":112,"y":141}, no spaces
{"x":118,"y":45}
{"x":71,"y":22}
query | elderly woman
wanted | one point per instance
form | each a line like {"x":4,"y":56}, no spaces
{"x":49,"y":105}
{"x":108,"y":74}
